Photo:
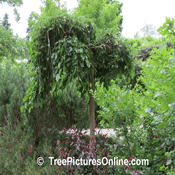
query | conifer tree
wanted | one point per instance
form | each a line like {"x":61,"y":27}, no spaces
{"x":5,"y":21}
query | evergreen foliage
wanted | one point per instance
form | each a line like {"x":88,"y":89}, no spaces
{"x":13,"y":86}
{"x":5,"y":21}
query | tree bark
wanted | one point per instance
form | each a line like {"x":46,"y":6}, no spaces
{"x":92,"y":111}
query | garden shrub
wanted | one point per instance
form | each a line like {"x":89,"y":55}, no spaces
{"x":152,"y":135}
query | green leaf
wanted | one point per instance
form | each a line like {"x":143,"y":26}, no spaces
{"x":164,"y":106}
{"x":61,"y":50}
{"x":57,"y":77}
{"x":59,"y":64}
{"x":70,"y":49}
{"x":60,"y":71}
{"x":88,"y":64}
{"x":148,"y":110}
{"x":56,"y":55}
{"x":163,"y":168}
{"x":81,"y":50}
{"x":53,"y":55}
{"x":168,"y":36}
{"x":173,"y":40}
{"x":169,"y":162}
{"x":21,"y":108}
{"x":167,"y":154}
{"x":25,"y":99}
{"x":82,"y":65}
{"x":162,"y":125}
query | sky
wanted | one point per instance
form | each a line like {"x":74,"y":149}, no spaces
{"x":136,"y":13}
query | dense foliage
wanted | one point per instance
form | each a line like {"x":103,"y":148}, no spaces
{"x":105,"y":15}
{"x":51,"y":49}
{"x":11,"y":46}
{"x":14,"y":83}
{"x":144,"y":42}
{"x":155,"y":137}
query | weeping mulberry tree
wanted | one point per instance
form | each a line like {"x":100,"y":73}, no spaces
{"x":64,"y":48}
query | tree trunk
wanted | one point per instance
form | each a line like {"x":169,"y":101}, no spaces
{"x":92,"y":112}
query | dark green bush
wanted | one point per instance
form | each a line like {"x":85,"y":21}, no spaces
{"x":18,"y":133}
{"x":14,"y":81}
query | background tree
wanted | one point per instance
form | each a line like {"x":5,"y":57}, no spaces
{"x":101,"y":15}
{"x":14,"y":3}
{"x":7,"y":44}
{"x":149,"y":30}
{"x":12,"y":47}
{"x":5,"y":21}
{"x":47,"y":4}
{"x":118,"y":13}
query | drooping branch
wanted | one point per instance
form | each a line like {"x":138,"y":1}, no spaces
{"x":144,"y":53}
